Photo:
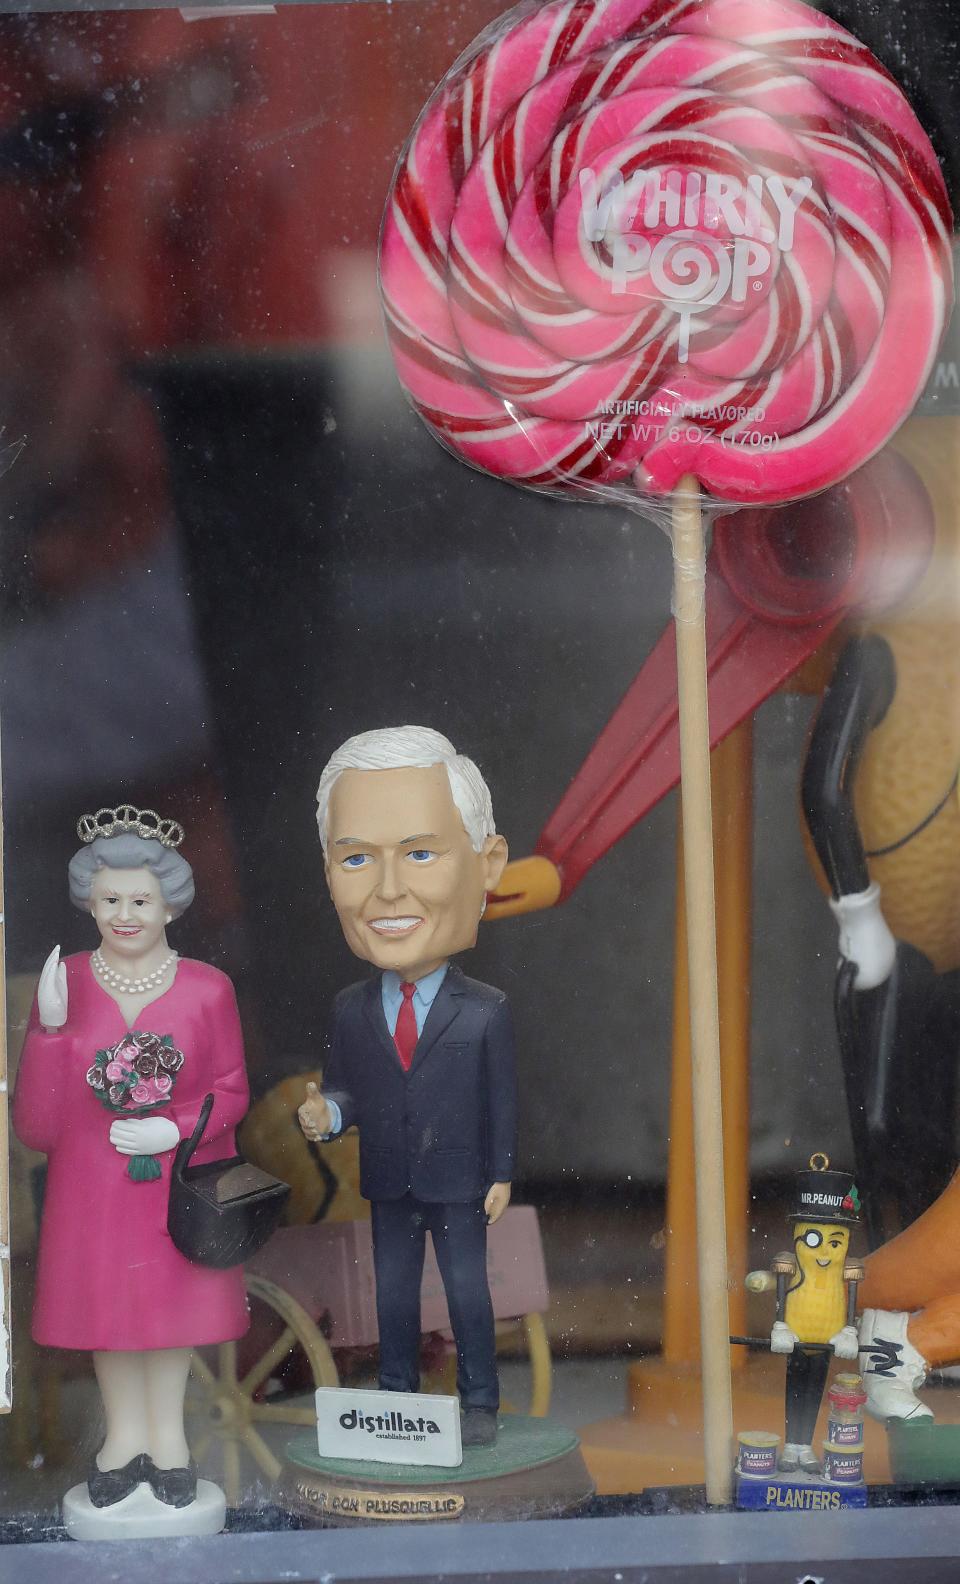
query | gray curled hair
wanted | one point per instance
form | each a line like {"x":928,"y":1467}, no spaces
{"x":171,"y":872}
{"x":412,"y":748}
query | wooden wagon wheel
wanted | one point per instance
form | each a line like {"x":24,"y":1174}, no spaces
{"x":538,"y":1348}
{"x":227,"y":1401}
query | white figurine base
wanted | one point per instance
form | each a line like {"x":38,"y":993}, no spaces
{"x":141,"y":1517}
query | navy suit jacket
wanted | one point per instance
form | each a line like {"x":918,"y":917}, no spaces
{"x":445,"y":1130}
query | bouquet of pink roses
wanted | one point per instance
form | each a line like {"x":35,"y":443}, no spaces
{"x":133,"y":1079}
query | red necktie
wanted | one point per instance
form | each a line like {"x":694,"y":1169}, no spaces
{"x":405,"y":1033}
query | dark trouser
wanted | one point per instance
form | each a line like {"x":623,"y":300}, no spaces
{"x":806,"y":1378}
{"x":459,"y":1233}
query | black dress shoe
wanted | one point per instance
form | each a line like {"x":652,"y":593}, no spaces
{"x":176,"y":1487}
{"x":107,"y":1486}
{"x":478,"y":1427}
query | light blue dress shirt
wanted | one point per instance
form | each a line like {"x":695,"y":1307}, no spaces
{"x":391,"y":997}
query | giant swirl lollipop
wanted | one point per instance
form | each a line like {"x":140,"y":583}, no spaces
{"x":634,"y":240}
{"x":670,"y":251}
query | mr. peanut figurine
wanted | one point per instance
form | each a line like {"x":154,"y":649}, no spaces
{"x":816,"y":1287}
{"x":421,"y":1057}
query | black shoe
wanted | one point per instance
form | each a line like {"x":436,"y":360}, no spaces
{"x":108,"y":1486}
{"x":478,"y":1427}
{"x":176,"y":1487}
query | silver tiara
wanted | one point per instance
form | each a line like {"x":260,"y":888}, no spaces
{"x":130,"y":821}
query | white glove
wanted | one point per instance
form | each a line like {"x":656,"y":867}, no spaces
{"x":760,"y":1281}
{"x":846,"y":1343}
{"x":782,"y":1339}
{"x":52,"y":993}
{"x":144,"y":1135}
{"x":865,"y":937}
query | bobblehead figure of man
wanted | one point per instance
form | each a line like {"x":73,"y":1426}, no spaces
{"x":421,"y":1057}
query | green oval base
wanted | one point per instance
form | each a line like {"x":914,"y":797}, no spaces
{"x":521,"y":1443}
{"x":534,"y":1469}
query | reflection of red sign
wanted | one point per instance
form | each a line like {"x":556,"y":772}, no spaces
{"x":225,"y":174}
{"x":167,"y":184}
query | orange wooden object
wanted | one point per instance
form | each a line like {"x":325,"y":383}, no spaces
{"x":660,"y":1438}
{"x":920,"y":1270}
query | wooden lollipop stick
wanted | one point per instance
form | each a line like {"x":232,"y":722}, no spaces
{"x":5,"y":1296}
{"x":688,"y":609}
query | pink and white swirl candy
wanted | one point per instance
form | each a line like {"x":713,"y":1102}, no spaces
{"x":631,"y":240}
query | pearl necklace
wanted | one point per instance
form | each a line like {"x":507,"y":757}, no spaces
{"x":125,"y":985}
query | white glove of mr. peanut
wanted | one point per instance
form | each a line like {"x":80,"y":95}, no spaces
{"x":846,"y":1343}
{"x":782,"y":1339}
{"x":52,"y":993}
{"x":144,"y":1135}
{"x":865,"y":937}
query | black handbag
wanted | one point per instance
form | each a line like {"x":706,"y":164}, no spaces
{"x":221,"y":1213}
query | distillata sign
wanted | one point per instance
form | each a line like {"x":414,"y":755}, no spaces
{"x":689,"y":269}
{"x":388,"y":1427}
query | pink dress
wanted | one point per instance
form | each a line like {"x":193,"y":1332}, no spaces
{"x":108,"y":1275}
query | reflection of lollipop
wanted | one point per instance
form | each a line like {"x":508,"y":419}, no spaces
{"x":633,"y":240}
{"x":639,"y":246}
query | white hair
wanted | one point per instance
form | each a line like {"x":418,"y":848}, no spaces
{"x":129,"y":851}
{"x":412,"y":748}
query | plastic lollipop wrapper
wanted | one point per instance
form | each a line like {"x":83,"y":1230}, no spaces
{"x":635,"y":242}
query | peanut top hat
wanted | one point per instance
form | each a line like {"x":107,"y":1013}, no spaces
{"x":824,"y":1195}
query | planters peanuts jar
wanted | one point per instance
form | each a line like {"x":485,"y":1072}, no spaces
{"x":845,"y":1408}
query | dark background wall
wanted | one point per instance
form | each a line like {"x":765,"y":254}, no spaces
{"x":229,"y":544}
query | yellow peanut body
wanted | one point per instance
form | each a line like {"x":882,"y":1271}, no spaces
{"x":816,"y":1306}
